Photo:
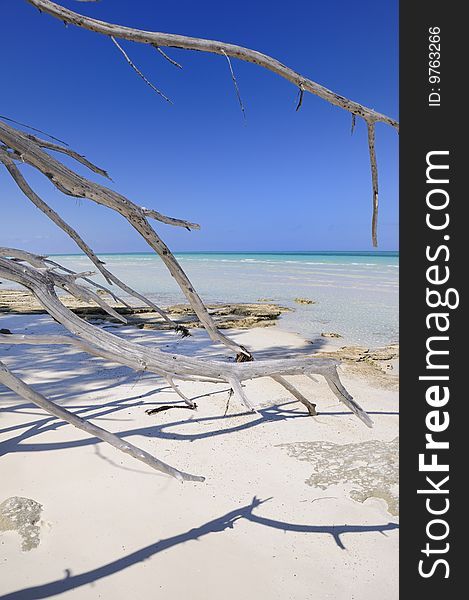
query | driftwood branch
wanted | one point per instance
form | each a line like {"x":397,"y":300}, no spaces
{"x":33,"y":129}
{"x":168,"y":58}
{"x":28,"y":393}
{"x":374,"y":179}
{"x":301,"y":93}
{"x":43,"y":276}
{"x":233,"y":77}
{"x":41,"y":283}
{"x":31,"y":271}
{"x":69,"y":152}
{"x":73,"y":184}
{"x":294,"y":392}
{"x":139,"y":73}
{"x":171,"y":40}
{"x":304,"y":84}
{"x":6,"y":159}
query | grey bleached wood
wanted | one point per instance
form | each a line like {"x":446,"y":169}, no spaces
{"x":338,"y":389}
{"x":246,"y":54}
{"x":233,"y":77}
{"x":67,"y":282}
{"x":190,"y":403}
{"x":294,"y":392}
{"x":36,"y":260}
{"x":172,"y":40}
{"x":44,"y":262}
{"x":72,"y":184}
{"x":42,"y":280}
{"x":374,"y":180}
{"x":98,"y":286}
{"x":69,"y":152}
{"x":41,"y":283}
{"x":6,"y":159}
{"x":238,"y":390}
{"x":5,"y":118}
{"x":168,"y":58}
{"x":137,"y":70}
{"x":28,"y":393}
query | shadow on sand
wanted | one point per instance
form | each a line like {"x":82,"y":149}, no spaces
{"x":226,"y":521}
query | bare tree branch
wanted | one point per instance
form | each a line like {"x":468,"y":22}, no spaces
{"x":216,"y":47}
{"x":212,"y":46}
{"x":28,"y":393}
{"x":301,"y":92}
{"x":137,"y":70}
{"x":168,"y":58}
{"x":105,"y":344}
{"x":294,"y":392}
{"x":78,"y":157}
{"x":32,"y":129}
{"x":238,"y":94}
{"x":42,"y":276}
{"x":374,"y":178}
{"x":6,"y":159}
{"x":72,"y":184}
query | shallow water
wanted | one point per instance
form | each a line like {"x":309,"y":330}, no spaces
{"x":355,"y":294}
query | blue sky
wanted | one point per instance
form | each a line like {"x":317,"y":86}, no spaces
{"x":282,"y":180}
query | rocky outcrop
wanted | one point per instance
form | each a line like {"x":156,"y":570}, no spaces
{"x":380,"y":365}
{"x":226,"y":316}
{"x":305,"y":301}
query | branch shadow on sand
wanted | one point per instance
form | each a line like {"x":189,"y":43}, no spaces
{"x":220,"y":524}
{"x":97,"y":376}
{"x":169,"y":431}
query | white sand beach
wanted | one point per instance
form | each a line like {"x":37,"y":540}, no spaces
{"x":171,"y":212}
{"x":293,"y":507}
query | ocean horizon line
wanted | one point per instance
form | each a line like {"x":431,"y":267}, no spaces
{"x":353,"y":293}
{"x":279,"y":252}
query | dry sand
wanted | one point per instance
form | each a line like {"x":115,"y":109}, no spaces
{"x":293,"y":507}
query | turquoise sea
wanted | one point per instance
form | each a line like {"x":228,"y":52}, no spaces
{"x":356,"y":293}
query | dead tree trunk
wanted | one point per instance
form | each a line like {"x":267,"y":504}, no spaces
{"x":41,"y":281}
{"x":42,"y":276}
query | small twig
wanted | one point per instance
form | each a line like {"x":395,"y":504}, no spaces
{"x":137,"y":70}
{"x":354,"y":118}
{"x":235,"y":84}
{"x":301,"y":92}
{"x":168,"y":58}
{"x":153,"y":411}
{"x":230,"y":393}
{"x":33,"y":129}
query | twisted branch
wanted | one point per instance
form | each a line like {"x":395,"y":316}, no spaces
{"x":41,"y":283}
{"x":72,"y":184}
{"x":6,"y":159}
{"x":137,"y":70}
{"x":232,"y":50}
{"x":18,"y":386}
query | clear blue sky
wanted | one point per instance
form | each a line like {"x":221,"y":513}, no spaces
{"x":284,"y":180}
